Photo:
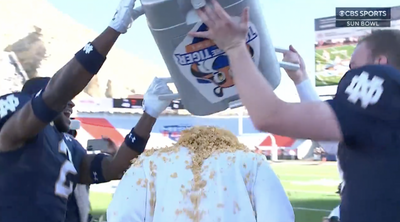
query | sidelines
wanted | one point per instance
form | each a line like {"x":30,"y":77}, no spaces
{"x":301,"y":163}
{"x":321,"y":182}
{"x":324,"y":176}
{"x":311,"y":209}
{"x":312,"y":192}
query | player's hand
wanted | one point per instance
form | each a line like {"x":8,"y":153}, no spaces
{"x":111,"y":146}
{"x":226,"y":33}
{"x":151,"y":104}
{"x":125,"y":15}
{"x":293,"y":56}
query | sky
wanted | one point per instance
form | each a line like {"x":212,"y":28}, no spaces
{"x":288,"y":22}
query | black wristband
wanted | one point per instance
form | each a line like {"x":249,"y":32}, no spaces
{"x":135,"y":142}
{"x":41,"y":110}
{"x":90,"y":58}
{"x":96,"y":169}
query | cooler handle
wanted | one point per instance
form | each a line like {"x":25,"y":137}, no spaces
{"x":197,"y":4}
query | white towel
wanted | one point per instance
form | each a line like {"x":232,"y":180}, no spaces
{"x":82,"y":200}
{"x":335,"y":212}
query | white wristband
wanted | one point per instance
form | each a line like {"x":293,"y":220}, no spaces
{"x":307,"y":91}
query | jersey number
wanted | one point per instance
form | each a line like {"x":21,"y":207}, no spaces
{"x":8,"y":104}
{"x":368,"y":92}
{"x":64,"y":187}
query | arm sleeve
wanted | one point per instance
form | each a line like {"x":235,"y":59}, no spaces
{"x":270,"y":200}
{"x":129,"y":200}
{"x":307,"y":93}
{"x":365,"y":102}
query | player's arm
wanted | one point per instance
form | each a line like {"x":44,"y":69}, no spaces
{"x":270,"y":200}
{"x":108,"y":167}
{"x":314,"y":120}
{"x":64,"y":86}
{"x":305,"y":88}
{"x":130,"y":198}
{"x":307,"y":93}
{"x":102,"y":168}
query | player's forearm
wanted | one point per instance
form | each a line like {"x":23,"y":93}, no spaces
{"x":307,"y":93}
{"x":255,"y":92}
{"x":73,"y":77}
{"x":114,"y":168}
{"x":145,"y":125}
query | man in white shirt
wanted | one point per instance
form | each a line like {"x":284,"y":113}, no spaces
{"x":207,"y":176}
{"x":307,"y":93}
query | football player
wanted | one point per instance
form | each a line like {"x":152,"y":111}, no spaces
{"x":364,"y":114}
{"x":114,"y":164}
{"x":39,"y":164}
{"x":207,"y":176}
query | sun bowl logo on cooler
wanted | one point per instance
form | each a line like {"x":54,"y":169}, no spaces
{"x":207,"y":67}
{"x":174,"y":131}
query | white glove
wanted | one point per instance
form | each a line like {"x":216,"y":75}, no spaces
{"x":151,"y":104}
{"x":125,"y":15}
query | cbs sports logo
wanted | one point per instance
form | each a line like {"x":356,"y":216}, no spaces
{"x":360,"y":14}
{"x":363,"y":17}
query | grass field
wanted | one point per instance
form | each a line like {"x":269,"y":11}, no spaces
{"x":323,"y":77}
{"x":310,"y":187}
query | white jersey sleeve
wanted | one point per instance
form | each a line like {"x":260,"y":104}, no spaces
{"x":271,"y":202}
{"x":129,"y":200}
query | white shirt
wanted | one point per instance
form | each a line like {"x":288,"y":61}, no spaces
{"x":238,"y":186}
{"x":335,"y":212}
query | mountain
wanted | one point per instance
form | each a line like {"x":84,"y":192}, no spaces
{"x":44,"y":39}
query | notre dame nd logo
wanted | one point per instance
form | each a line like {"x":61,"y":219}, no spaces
{"x":367,"y":91}
{"x":8,"y":104}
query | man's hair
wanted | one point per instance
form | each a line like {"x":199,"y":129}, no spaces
{"x":34,"y":85}
{"x":385,"y":42}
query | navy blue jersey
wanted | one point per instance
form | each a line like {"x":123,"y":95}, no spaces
{"x":36,"y":180}
{"x":72,"y":206}
{"x":367,"y":106}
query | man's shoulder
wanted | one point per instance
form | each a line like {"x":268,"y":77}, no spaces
{"x":245,"y":160}
{"x":244,"y":155}
{"x":372,"y":90}
{"x":69,"y":139}
{"x":76,"y":149}
{"x":10,"y":104}
{"x":384,"y":71}
{"x":166,"y":154}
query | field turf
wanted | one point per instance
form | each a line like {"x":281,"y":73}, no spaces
{"x":344,"y":52}
{"x":310,"y":187}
